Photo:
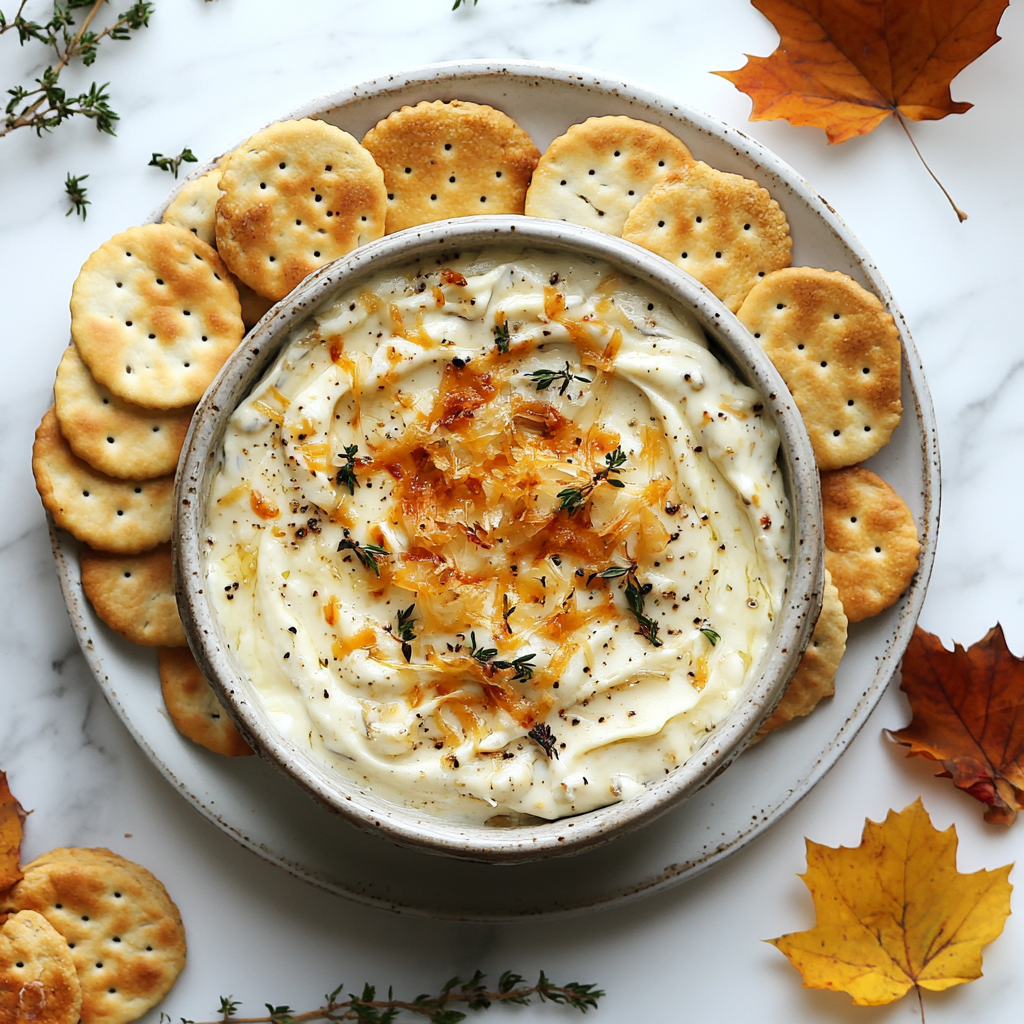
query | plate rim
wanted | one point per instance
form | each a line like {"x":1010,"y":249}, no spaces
{"x":589,"y":80}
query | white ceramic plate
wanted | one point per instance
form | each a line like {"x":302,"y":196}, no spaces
{"x":266,"y":812}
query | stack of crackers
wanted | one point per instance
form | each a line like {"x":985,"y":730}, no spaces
{"x":86,"y":935}
{"x":157,"y":310}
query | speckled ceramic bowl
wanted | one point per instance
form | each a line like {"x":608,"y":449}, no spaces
{"x":801,"y":602}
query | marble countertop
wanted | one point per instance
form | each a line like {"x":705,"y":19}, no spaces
{"x":205,"y":75}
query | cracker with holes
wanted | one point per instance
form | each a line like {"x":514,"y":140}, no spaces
{"x":125,"y":516}
{"x":134,"y":595}
{"x":38,"y":981}
{"x":722,"y":228}
{"x":194,"y":707}
{"x":155,"y":315}
{"x":114,"y":436}
{"x":599,"y":170}
{"x":814,"y":678}
{"x":871,"y":545}
{"x":838,"y":351}
{"x":195,"y":206}
{"x":124,"y":934}
{"x":453,"y":159}
{"x":296,"y":196}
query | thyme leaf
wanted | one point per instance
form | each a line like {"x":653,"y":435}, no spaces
{"x":228,"y":1007}
{"x":487,"y":656}
{"x":712,"y":636}
{"x":543,"y":379}
{"x":346,"y":476}
{"x":405,"y":631}
{"x":462,"y":3}
{"x":482,"y":654}
{"x":368,"y":554}
{"x":507,"y":608}
{"x":471,"y":994}
{"x":542,"y":735}
{"x":172,"y":163}
{"x":635,"y":594}
{"x":502,"y":338}
{"x":574,"y":498}
{"x":76,"y":192}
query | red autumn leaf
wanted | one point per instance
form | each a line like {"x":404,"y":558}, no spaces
{"x":846,"y":65}
{"x":968,"y":714}
{"x":12,"y":816}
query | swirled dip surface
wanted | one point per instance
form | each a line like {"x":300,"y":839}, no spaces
{"x":484,"y":595}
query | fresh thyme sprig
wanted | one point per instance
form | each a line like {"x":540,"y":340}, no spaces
{"x":502,"y":338}
{"x":44,"y":105}
{"x":406,"y":633}
{"x":172,"y":163}
{"x":76,"y":193}
{"x":545,"y":378}
{"x":347,"y":473}
{"x":488,"y":656}
{"x":574,"y":498}
{"x":368,"y":554}
{"x":462,"y":3}
{"x":507,"y":608}
{"x":635,"y":594}
{"x":542,"y":735}
{"x":471,"y":994}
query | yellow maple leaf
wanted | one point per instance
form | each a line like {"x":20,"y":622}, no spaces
{"x":894,"y":913}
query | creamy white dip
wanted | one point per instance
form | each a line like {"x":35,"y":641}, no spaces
{"x":576,"y":581}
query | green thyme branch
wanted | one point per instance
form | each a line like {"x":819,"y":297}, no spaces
{"x":635,"y":594}
{"x":521,"y":668}
{"x":406,"y":632}
{"x":45,"y":105}
{"x":172,"y":163}
{"x":462,"y":3}
{"x":472,"y":994}
{"x":502,"y":337}
{"x":545,"y":378}
{"x":76,"y":193}
{"x":346,"y":476}
{"x":574,"y":498}
{"x":368,"y":554}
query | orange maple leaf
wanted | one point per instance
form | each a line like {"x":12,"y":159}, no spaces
{"x":12,"y":816}
{"x":846,"y":65}
{"x":968,"y":714}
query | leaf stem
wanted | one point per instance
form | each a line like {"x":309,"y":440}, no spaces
{"x":903,"y":124}
{"x":920,"y":1002}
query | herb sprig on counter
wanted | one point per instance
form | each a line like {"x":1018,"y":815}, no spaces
{"x":574,"y":498}
{"x":473,"y":995}
{"x":43,"y":104}
{"x":545,"y":378}
{"x":76,"y":193}
{"x":172,"y":163}
{"x":368,"y":554}
{"x":462,"y":3}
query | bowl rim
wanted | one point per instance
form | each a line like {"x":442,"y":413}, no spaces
{"x":416,"y":829}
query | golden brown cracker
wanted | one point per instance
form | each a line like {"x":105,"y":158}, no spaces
{"x":871,"y":545}
{"x":254,"y":305}
{"x":722,"y":228}
{"x":125,"y":516}
{"x":155,"y":315}
{"x":134,"y":595}
{"x":124,"y":934}
{"x":296,"y":196}
{"x":451,"y":159}
{"x":194,"y":208}
{"x":114,"y":436}
{"x":599,"y":170}
{"x":838,"y":351}
{"x":194,"y":707}
{"x":38,"y":981}
{"x":815,"y":676}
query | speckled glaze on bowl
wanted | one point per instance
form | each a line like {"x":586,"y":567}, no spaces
{"x":800,"y":604}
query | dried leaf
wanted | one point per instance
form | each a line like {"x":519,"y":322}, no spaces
{"x":968,"y":708}
{"x":845,"y":67}
{"x":12,"y":817}
{"x":894,"y":912}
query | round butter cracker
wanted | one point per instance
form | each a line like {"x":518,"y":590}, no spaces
{"x":195,"y":206}
{"x":123,"y":933}
{"x":599,"y":170}
{"x":134,"y":595}
{"x":871,"y":545}
{"x":125,"y":516}
{"x":38,"y":981}
{"x":114,"y":436}
{"x":193,"y":706}
{"x":722,"y":228}
{"x":155,"y":315}
{"x":454,"y":159}
{"x":814,"y":678}
{"x":294,"y":197}
{"x":838,"y":351}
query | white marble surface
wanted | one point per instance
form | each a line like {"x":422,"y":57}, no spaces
{"x":204,"y":75}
